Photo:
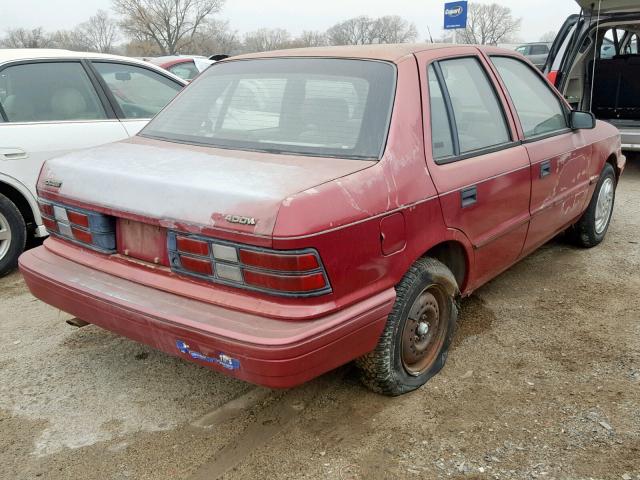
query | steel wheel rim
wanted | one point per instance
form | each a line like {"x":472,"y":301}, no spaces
{"x":424,"y":331}
{"x":5,"y":236}
{"x":604,"y":205}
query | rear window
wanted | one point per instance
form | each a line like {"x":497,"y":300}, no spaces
{"x":315,"y":106}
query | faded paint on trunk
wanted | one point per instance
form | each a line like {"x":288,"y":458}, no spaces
{"x":190,"y":184}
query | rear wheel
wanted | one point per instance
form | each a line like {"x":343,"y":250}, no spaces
{"x":414,"y":344}
{"x":13,"y":234}
{"x":594,"y":223}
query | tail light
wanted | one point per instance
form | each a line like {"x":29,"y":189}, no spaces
{"x":552,"y":76}
{"x":298,"y":273}
{"x":91,"y":229}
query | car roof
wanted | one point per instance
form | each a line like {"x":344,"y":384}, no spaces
{"x":10,"y":54}
{"x":176,"y":61}
{"x":389,"y":52}
{"x":17,"y":54}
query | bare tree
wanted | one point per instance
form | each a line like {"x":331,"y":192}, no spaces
{"x":355,"y":31}
{"x":266,"y":39}
{"x":142,"y":48}
{"x":216,"y":37}
{"x":69,"y":39}
{"x":310,"y":38}
{"x":99,"y":33}
{"x":171,"y":24}
{"x":25,"y":38}
{"x":394,"y":29}
{"x":364,"y":30}
{"x":549,"y":36}
{"x":488,"y":25}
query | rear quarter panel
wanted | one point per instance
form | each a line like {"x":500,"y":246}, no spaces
{"x":342,"y":218}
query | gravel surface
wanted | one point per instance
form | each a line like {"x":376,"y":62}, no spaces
{"x":543,"y":381}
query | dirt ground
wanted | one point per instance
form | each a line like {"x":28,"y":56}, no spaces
{"x":543,"y":381}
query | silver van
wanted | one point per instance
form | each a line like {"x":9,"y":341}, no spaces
{"x":595,"y":63}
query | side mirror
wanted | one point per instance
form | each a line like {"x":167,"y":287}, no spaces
{"x":582,"y":120}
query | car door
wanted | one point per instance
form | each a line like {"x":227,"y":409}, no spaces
{"x":136,"y":93}
{"x":560,"y":158}
{"x":481,"y":172}
{"x":49,"y":108}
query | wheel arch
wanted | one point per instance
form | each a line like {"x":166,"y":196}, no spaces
{"x":456,"y":256}
{"x":613,"y":161}
{"x":23,"y":199}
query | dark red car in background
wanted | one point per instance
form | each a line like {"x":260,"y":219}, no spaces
{"x":185,"y":67}
{"x":292,"y":211}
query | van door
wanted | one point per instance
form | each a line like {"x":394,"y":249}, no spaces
{"x":480,"y":171}
{"x":559,"y":49}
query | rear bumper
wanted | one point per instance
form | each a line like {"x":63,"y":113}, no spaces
{"x":261,"y":350}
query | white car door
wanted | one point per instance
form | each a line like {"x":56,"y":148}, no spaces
{"x":49,"y":108}
{"x":137,"y":93}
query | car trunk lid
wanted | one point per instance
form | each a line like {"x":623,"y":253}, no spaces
{"x":177,"y":184}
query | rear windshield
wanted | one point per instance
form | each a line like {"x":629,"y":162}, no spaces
{"x":314,"y":106}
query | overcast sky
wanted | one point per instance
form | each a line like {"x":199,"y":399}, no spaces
{"x":245,"y":15}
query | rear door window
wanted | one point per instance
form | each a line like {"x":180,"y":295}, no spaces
{"x":48,"y":92}
{"x":539,"y":109}
{"x":478,"y":115}
{"x":441,"y":135}
{"x":139,"y":92}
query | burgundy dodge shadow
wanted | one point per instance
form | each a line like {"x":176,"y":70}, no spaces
{"x":292,"y":211}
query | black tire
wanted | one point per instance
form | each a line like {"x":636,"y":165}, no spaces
{"x":11,"y":218}
{"x":385,"y":369}
{"x":587,"y":232}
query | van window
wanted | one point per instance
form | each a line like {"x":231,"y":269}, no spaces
{"x":478,"y":115}
{"x":441,"y":136}
{"x":611,"y":43}
{"x":539,"y":109}
{"x":631,"y":48}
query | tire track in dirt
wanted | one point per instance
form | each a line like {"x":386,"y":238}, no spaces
{"x":282,"y":410}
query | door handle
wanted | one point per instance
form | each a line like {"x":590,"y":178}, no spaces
{"x":545,"y":168}
{"x":469,"y":196}
{"x":12,"y":153}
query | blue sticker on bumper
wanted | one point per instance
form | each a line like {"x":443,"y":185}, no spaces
{"x":222,"y":359}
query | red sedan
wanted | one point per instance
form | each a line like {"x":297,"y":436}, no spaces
{"x":292,"y":211}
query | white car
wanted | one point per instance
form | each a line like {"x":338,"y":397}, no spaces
{"x":55,"y":101}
